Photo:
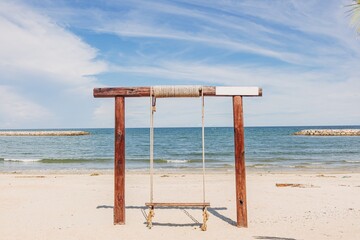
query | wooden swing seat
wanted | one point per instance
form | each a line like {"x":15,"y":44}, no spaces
{"x":203,"y":205}
{"x":173,"y":204}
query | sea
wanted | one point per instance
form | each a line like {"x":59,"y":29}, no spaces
{"x":272,"y":149}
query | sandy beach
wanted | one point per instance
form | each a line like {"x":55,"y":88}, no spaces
{"x":50,"y":205}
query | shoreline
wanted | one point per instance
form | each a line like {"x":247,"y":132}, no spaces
{"x":215,"y":171}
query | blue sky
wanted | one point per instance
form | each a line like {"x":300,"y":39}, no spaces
{"x":304,"y":54}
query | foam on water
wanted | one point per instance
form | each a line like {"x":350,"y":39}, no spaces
{"x":177,"y":161}
{"x":352,"y":161}
{"x":25,"y":160}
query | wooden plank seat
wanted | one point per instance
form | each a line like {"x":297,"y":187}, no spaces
{"x":164,"y":204}
{"x":202,"y":205}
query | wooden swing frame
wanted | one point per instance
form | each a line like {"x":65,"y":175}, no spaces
{"x":237,"y":94}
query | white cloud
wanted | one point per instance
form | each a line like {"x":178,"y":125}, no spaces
{"x":18,"y":110}
{"x":47,"y":63}
{"x":34,"y":43}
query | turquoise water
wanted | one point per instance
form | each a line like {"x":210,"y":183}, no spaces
{"x":267,"y":148}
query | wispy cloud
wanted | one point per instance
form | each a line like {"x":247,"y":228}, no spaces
{"x":292,"y":32}
{"x":34,"y":43}
{"x":303,"y":53}
{"x":44,"y":62}
{"x":144,"y":19}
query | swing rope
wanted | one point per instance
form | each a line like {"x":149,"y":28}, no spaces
{"x":175,"y":91}
{"x":171,"y":91}
{"x":203,"y":139}
{"x":152,"y":110}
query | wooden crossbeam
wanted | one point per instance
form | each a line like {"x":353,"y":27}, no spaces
{"x":145,"y":91}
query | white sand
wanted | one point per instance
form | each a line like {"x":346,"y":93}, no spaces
{"x":79,"y":206}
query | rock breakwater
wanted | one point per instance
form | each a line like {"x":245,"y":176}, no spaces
{"x":329,"y":132}
{"x":43,"y":133}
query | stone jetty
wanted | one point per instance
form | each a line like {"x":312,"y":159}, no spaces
{"x":329,"y":132}
{"x":43,"y":133}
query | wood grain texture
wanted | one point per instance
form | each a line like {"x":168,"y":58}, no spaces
{"x":119,"y":162}
{"x":145,"y":91}
{"x":163,"y":204}
{"x":136,"y":92}
{"x":240,"y":175}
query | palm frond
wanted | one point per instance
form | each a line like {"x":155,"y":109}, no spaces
{"x":354,"y":12}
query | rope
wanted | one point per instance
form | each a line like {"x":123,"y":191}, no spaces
{"x":152,"y":110}
{"x":176,"y":91}
{"x":203,"y":140}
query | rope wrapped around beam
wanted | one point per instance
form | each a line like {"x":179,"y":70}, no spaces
{"x":176,"y":91}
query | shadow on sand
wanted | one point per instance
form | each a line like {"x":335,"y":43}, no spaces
{"x":215,"y":211}
{"x":273,"y":238}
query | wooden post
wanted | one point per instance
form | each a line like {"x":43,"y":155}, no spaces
{"x":240,"y":177}
{"x":119,"y":162}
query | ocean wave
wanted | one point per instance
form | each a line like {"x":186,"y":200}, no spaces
{"x":57,"y":160}
{"x":259,"y":165}
{"x":225,"y":165}
{"x":267,"y":160}
{"x":76,"y":160}
{"x":20,"y":159}
{"x":352,"y":161}
{"x":167,"y":161}
{"x":177,"y":161}
{"x":297,"y":166}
